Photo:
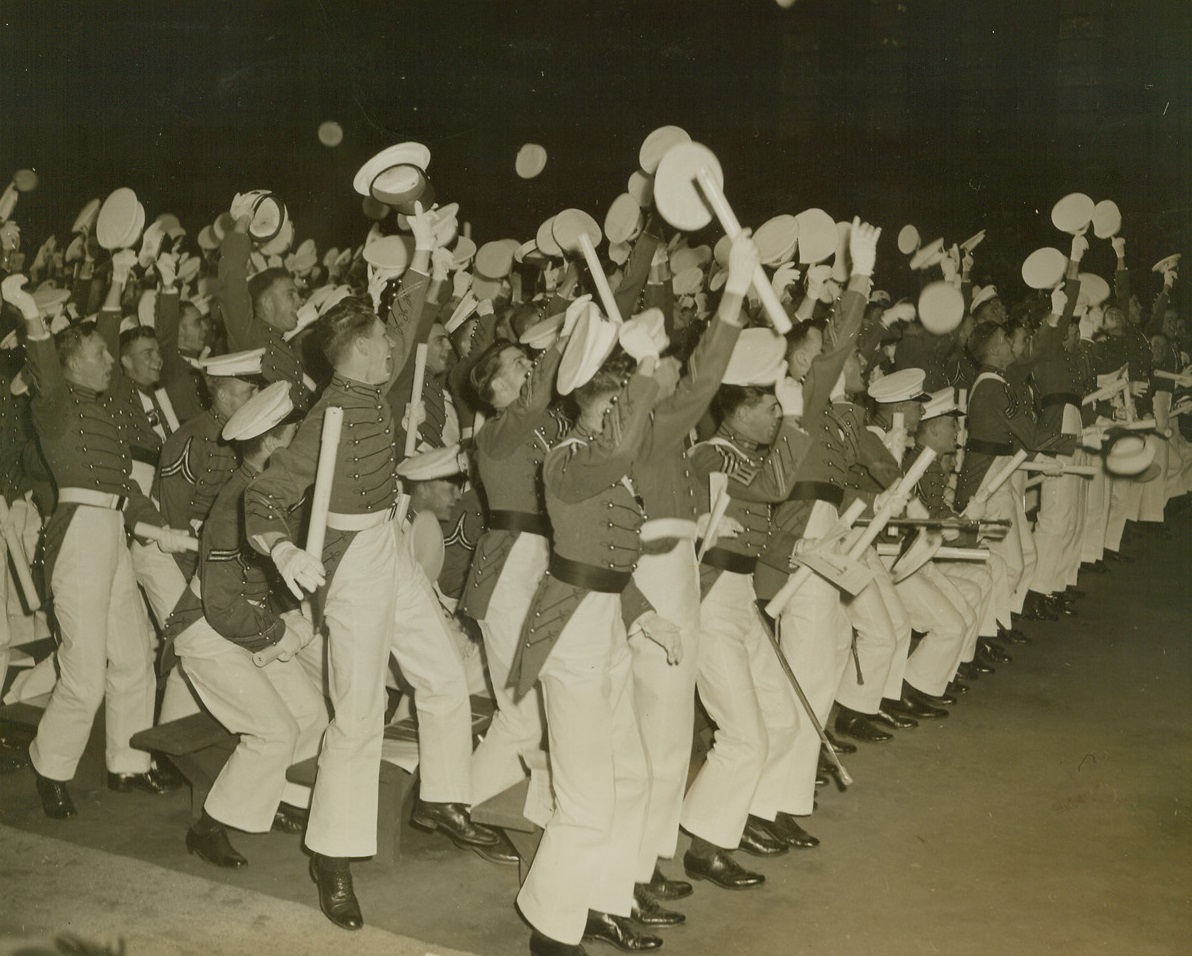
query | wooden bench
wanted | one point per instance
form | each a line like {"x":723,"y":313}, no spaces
{"x":197,"y":745}
{"x":505,"y":811}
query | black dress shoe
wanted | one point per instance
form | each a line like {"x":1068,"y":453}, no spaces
{"x":1060,"y":606}
{"x":914,"y":703}
{"x":787,"y":829}
{"x":1035,"y":608}
{"x":545,"y":946}
{"x":895,"y":721}
{"x":337,"y":898}
{"x":1012,"y":635}
{"x":957,"y":688}
{"x":980,"y":665}
{"x":12,"y":761}
{"x":453,"y":820}
{"x":153,"y":782}
{"x":212,"y":845}
{"x":858,"y":726}
{"x":721,"y":870}
{"x":757,"y":840}
{"x":288,"y":819}
{"x":935,"y":700}
{"x":649,"y":912}
{"x":992,"y":654}
{"x":55,"y":799}
{"x":618,"y":931}
{"x":503,"y":852}
{"x":840,"y":746}
{"x":662,"y":887}
{"x":968,"y":671}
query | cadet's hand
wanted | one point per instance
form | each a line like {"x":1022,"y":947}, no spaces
{"x":414,"y":417}
{"x":1139,"y":389}
{"x":816,"y":277}
{"x":175,"y":541}
{"x":461,"y":282}
{"x":663,"y":633}
{"x":299,"y":570}
{"x":1053,"y":467}
{"x":785,"y":276}
{"x":167,"y":268}
{"x":12,"y":291}
{"x":899,"y":312}
{"x":1059,"y":299}
{"x":862,"y":246}
{"x":896,"y":502}
{"x":666,"y":374}
{"x":743,"y":260}
{"x":289,"y":645}
{"x":122,"y":263}
{"x":1119,"y":246}
{"x":966,"y":264}
{"x":422,"y":224}
{"x":1080,"y":245}
{"x":975,"y":510}
{"x":300,"y":626}
{"x":1169,"y":278}
{"x":441,"y":261}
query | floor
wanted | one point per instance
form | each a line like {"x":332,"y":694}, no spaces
{"x":1051,"y":813}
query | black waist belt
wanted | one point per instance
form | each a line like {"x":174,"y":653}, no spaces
{"x":728,"y":560}
{"x":995,"y":448}
{"x":604,"y":580}
{"x":519,"y":521}
{"x":816,"y":491}
{"x":144,"y":455}
{"x":1060,"y":398}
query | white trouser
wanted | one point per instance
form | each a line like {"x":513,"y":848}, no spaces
{"x":1058,"y":530}
{"x":1152,"y":496}
{"x":517,"y":725}
{"x":160,"y":578}
{"x":588,"y":854}
{"x":1125,"y":496}
{"x":883,"y":640}
{"x":1016,"y":549}
{"x":937,"y":609}
{"x":432,"y":663}
{"x":278,"y":712}
{"x":975,"y":581}
{"x":664,"y":695}
{"x":817,"y":640}
{"x":106,"y":655}
{"x":1096,"y":513}
{"x":750,"y":768}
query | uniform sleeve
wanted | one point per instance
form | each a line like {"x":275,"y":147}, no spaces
{"x":637,"y":271}
{"x":839,"y":342}
{"x":279,"y":488}
{"x":504,"y":434}
{"x":48,"y":387}
{"x":235,"y":303}
{"x":410,"y":321}
{"x":576,"y":472}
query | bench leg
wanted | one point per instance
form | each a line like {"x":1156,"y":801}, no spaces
{"x":200,"y":770}
{"x":393,"y":788}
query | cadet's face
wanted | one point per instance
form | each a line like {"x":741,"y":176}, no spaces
{"x":799,"y":359}
{"x":230,"y":395}
{"x":142,"y":361}
{"x":283,"y":302}
{"x":92,"y":365}
{"x":377,"y":347}
{"x":437,"y":497}
{"x":192,"y":331}
{"x":1000,"y":353}
{"x":507,"y":383}
{"x":759,"y":422}
{"x":854,"y":380}
{"x":939,"y":434}
{"x":912,"y":413}
{"x":1018,"y":343}
{"x":438,"y":350}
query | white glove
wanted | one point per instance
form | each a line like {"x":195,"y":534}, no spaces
{"x":122,"y":263}
{"x":966,"y":264}
{"x":898,"y":312}
{"x":743,"y":260}
{"x":790,"y":396}
{"x":1169,"y":278}
{"x":896,"y":502}
{"x":414,"y":416}
{"x":862,"y":246}
{"x":167,"y":268}
{"x":422,"y":224}
{"x":441,"y":261}
{"x":175,"y":541}
{"x":949,"y":265}
{"x":461,"y":282}
{"x":299,"y":570}
{"x":728,"y":528}
{"x":816,"y":277}
{"x":1139,"y":389}
{"x":1080,"y":245}
{"x":300,"y":626}
{"x":1119,"y":246}
{"x":1054,"y":465}
{"x":784,"y":277}
{"x":289,"y":645}
{"x":917,"y":510}
{"x":663,"y":633}
{"x":12,"y":290}
{"x":1059,"y":299}
{"x":976,"y":509}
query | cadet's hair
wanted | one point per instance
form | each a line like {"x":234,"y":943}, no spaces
{"x":249,"y":447}
{"x":486,"y":367}
{"x":263,"y":281}
{"x":980,"y":339}
{"x":135,"y":334}
{"x":610,"y":377}
{"x":69,"y":342}
{"x":986,"y":306}
{"x":341,"y":325}
{"x":796,"y":338}
{"x":730,"y":398}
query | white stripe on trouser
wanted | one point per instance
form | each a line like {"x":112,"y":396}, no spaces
{"x":1058,"y":530}
{"x":160,"y":578}
{"x":106,"y":654}
{"x":517,"y":725}
{"x":664,"y":695}
{"x":925,"y":595}
{"x":816,"y":638}
{"x":359,"y":613}
{"x":750,"y":768}
{"x":588,"y":853}
{"x":883,"y":641}
{"x":432,"y":663}
{"x":278,"y":712}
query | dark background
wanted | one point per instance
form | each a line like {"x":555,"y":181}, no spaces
{"x":951,"y":115}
